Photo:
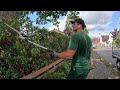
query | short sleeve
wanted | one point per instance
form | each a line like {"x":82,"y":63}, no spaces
{"x":73,"y":43}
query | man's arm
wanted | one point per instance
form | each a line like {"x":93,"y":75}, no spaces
{"x":72,"y":48}
{"x":65,"y":55}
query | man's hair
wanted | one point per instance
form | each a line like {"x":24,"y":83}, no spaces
{"x":82,"y":27}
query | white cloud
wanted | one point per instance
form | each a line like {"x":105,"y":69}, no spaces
{"x":96,"y":20}
{"x":61,"y":25}
{"x":97,"y":33}
{"x":48,"y":17}
{"x":96,"y":27}
{"x":91,"y":26}
{"x":52,"y":27}
{"x":34,"y":23}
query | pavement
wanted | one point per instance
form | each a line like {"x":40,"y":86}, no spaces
{"x":102,"y":69}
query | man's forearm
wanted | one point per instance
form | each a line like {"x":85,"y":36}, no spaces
{"x":63,"y":55}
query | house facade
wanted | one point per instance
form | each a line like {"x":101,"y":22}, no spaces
{"x":106,"y":40}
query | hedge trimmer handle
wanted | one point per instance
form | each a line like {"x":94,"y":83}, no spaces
{"x":50,"y":50}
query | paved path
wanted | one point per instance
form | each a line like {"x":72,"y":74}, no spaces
{"x":106,"y":53}
{"x":103,"y":70}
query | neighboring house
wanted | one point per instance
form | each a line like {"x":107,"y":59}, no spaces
{"x":101,"y":42}
{"x":68,"y":32}
{"x":106,"y":40}
{"x":96,"y":41}
{"x":110,"y":40}
{"x":57,"y":30}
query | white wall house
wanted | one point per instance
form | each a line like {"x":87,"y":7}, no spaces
{"x":102,"y":42}
{"x":107,"y":43}
{"x":110,"y":40}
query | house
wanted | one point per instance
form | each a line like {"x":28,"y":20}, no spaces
{"x":96,"y":41}
{"x":110,"y":40}
{"x":106,"y":40}
{"x":57,"y":30}
{"x":68,"y":32}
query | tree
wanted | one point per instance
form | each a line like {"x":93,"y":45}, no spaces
{"x":72,"y":15}
{"x":117,"y":40}
{"x":115,"y":33}
{"x":43,"y":16}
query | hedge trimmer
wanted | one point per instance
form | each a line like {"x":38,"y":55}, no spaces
{"x":26,"y":38}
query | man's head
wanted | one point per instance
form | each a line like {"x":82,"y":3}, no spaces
{"x":78,"y":24}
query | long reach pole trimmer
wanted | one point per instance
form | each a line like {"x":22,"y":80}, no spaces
{"x":22,"y":37}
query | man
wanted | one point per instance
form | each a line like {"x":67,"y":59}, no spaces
{"x":80,"y":50}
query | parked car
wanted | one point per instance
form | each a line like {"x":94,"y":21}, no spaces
{"x":116,"y":54}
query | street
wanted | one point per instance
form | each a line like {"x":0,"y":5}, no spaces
{"x":103,"y":70}
{"x":106,"y":53}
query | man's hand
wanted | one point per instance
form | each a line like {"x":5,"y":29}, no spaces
{"x":53,"y":54}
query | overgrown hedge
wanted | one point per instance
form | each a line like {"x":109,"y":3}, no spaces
{"x":19,"y":58}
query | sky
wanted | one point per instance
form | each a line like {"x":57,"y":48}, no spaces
{"x":97,"y":22}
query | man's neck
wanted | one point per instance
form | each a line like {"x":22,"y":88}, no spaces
{"x":79,"y":30}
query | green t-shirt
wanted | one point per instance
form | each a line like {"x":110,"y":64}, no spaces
{"x":81,"y":43}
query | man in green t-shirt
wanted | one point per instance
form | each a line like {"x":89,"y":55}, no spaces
{"x":79,"y":49}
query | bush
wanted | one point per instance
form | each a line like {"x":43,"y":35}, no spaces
{"x":117,"y":41}
{"x":22,"y":58}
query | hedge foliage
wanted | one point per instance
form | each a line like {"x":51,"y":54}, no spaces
{"x":19,"y":58}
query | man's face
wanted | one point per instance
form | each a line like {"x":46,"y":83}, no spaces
{"x":76,"y":26}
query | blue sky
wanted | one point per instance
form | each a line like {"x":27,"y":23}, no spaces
{"x":110,"y":18}
{"x":115,"y":22}
{"x":48,"y":25}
